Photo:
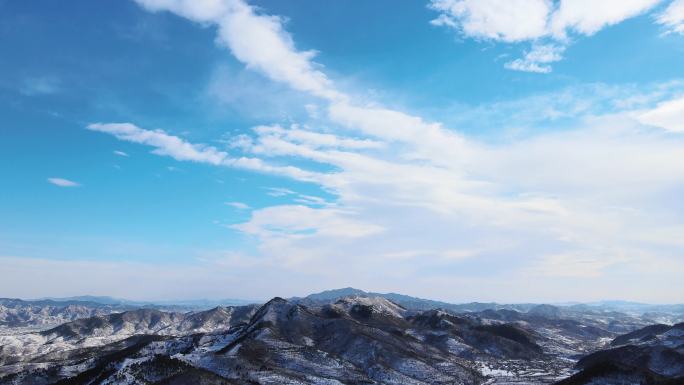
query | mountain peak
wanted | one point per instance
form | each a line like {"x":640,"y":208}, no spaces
{"x":328,"y":295}
{"x":364,"y":304}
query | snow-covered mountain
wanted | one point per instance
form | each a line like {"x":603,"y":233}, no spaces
{"x":651,"y":355}
{"x":48,"y":312}
{"x":356,"y":338}
{"x":605,"y":309}
{"x":44,"y":313}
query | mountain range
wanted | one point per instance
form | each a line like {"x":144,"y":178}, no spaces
{"x":344,"y":336}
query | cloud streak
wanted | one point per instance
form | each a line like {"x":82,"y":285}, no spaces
{"x":672,"y":17}
{"x":120,"y":153}
{"x":419,"y":196}
{"x":258,"y":40}
{"x":182,"y":150}
{"x":61,"y":182}
{"x":238,"y":205}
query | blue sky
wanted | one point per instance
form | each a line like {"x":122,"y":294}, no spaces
{"x":513,"y":151}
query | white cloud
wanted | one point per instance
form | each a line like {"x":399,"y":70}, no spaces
{"x":238,"y":205}
{"x":262,"y":44}
{"x":673,"y":17}
{"x":257,"y":40}
{"x":311,"y":200}
{"x":302,"y":222}
{"x":557,"y":176}
{"x":315,"y":139}
{"x":417,"y":193}
{"x":578,"y":265}
{"x":61,"y":182}
{"x":120,"y":153}
{"x":164,"y":143}
{"x":279,"y":191}
{"x":587,"y":17}
{"x":503,"y":20}
{"x":427,"y":139}
{"x":444,"y":20}
{"x":668,"y":115}
{"x":529,"y":20}
{"x":182,"y":150}
{"x":204,"y":11}
{"x":540,"y":21}
{"x":538,"y":59}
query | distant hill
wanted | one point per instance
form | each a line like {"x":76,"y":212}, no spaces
{"x":47,"y":312}
{"x":404,"y":300}
{"x":555,"y":310}
{"x":194,"y":304}
{"x":105,"y":300}
{"x":408,"y":301}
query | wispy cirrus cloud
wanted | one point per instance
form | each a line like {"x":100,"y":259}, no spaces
{"x":182,"y":150}
{"x":578,"y":265}
{"x":61,"y":182}
{"x":245,"y":33}
{"x":672,"y":18}
{"x":538,"y":59}
{"x":238,"y":205}
{"x":164,"y":143}
{"x":279,"y":191}
{"x":403,"y":184}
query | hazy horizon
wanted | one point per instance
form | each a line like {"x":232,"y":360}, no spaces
{"x":261,"y":300}
{"x":443,"y":149}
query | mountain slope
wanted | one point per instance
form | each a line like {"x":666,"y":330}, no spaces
{"x":651,"y":355}
{"x":356,"y":339}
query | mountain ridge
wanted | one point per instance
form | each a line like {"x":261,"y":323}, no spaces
{"x":338,"y":336}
